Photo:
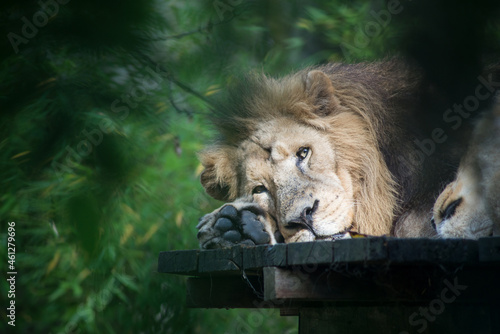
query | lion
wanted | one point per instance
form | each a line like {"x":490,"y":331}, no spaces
{"x":469,"y":207}
{"x":324,"y":152}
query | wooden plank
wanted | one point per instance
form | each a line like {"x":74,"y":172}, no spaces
{"x":255,"y":257}
{"x":379,"y":285}
{"x":184,"y":262}
{"x":310,"y":253}
{"x":284,"y":284}
{"x":289,"y":311}
{"x":489,"y":249}
{"x":298,"y":285}
{"x":296,"y":288}
{"x":220,"y":260}
{"x":276,"y":256}
{"x":376,"y":250}
{"x":432,"y":251}
{"x":360,"y":250}
{"x":399,"y":319}
{"x":225,"y":292}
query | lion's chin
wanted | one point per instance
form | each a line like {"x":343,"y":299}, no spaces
{"x":301,"y":236}
{"x":306,"y":235}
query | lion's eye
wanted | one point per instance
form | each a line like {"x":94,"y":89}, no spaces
{"x":259,"y":190}
{"x":451,"y":208}
{"x":302,"y":153}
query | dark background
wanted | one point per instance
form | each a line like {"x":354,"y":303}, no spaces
{"x":103,"y":107}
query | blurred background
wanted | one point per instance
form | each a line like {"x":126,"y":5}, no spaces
{"x":103,"y":107}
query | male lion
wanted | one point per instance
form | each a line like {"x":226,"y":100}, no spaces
{"x":322,"y":152}
{"x":469,"y":207}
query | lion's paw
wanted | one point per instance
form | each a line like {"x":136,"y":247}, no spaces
{"x":233,"y":224}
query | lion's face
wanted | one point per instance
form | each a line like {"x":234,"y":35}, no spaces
{"x":459,"y":211}
{"x":292,"y":172}
{"x":308,"y":157}
{"x":469,"y":207}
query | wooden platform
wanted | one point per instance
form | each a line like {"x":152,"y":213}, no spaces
{"x":380,"y":285}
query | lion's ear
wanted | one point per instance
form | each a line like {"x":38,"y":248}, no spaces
{"x":320,"y":88}
{"x":219,"y":177}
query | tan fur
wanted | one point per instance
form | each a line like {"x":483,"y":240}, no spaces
{"x":344,"y":117}
{"x":363,"y":170}
{"x":476,"y":187}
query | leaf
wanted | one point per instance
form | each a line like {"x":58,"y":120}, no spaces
{"x":127,"y":281}
{"x":53,"y":263}
{"x":129,"y":228}
{"x":316,"y":14}
{"x":65,"y":286}
{"x":178,"y":218}
{"x":130,"y":212}
{"x":20,"y":154}
{"x":306,"y":25}
{"x":294,"y":43}
{"x":152,"y":230}
{"x":120,"y":294}
{"x":77,"y":290}
{"x":212,"y":90}
{"x":83,"y":274}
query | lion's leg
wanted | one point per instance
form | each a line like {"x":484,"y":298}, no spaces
{"x":236,"y":223}
{"x":493,"y":202}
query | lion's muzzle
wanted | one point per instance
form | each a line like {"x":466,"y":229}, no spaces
{"x":305,"y":220}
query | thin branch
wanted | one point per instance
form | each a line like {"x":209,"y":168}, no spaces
{"x":169,"y":76}
{"x":207,"y":27}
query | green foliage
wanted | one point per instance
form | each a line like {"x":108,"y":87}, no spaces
{"x":102,"y":113}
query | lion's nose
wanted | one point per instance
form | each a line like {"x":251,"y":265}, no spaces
{"x":308,"y":212}
{"x":305,"y":221}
